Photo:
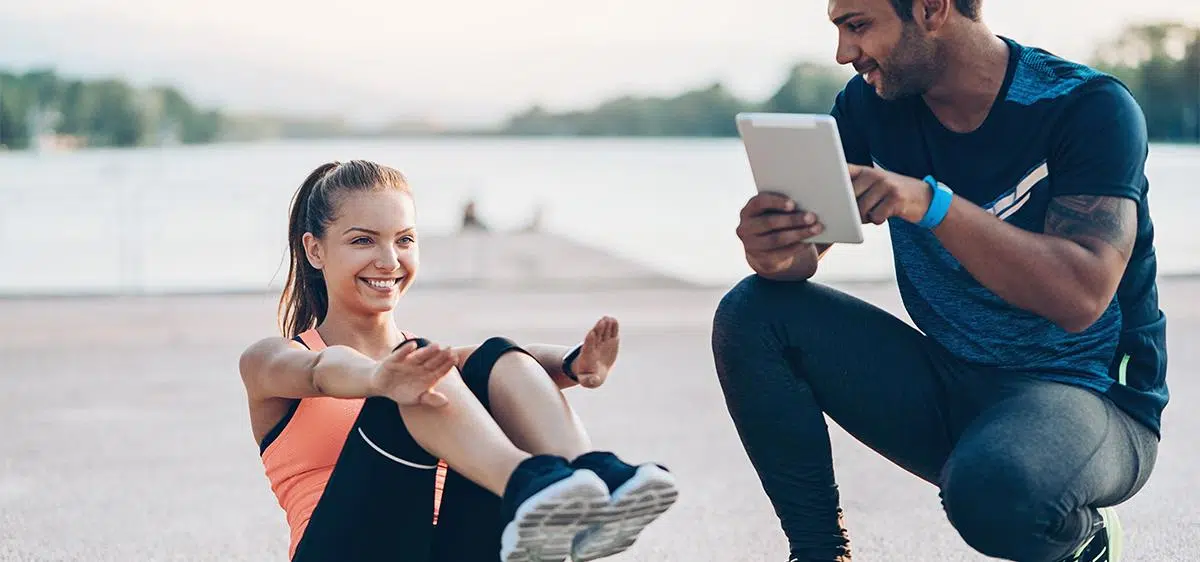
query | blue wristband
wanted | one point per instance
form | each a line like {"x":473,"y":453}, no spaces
{"x":938,"y":206}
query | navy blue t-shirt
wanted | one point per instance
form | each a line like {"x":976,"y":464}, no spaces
{"x":1057,"y":128}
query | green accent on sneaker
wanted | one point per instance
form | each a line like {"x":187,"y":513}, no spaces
{"x":1107,"y":545}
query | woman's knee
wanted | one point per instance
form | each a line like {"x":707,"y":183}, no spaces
{"x":495,"y":352}
{"x":998,"y":505}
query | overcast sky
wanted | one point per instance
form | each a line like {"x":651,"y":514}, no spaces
{"x":476,"y":60}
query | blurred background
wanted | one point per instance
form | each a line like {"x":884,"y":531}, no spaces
{"x":156,"y":140}
{"x":570,"y":159}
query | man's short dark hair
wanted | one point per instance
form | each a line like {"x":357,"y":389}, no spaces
{"x":969,"y":8}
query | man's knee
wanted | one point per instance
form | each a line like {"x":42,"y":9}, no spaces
{"x":997,"y":504}
{"x":755,"y":300}
{"x":756,"y":321}
{"x":739,"y":317}
{"x":757,"y":305}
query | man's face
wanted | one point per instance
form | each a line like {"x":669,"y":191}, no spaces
{"x":897,"y":58}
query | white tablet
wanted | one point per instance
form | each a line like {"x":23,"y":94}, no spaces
{"x":800,"y":156}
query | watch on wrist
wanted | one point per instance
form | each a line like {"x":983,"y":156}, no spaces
{"x":568,"y":359}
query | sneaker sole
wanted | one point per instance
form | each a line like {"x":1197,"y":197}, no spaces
{"x":1116,"y":535}
{"x":547,"y":522}
{"x":636,"y":504}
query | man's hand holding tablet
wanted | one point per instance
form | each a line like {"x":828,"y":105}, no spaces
{"x":774,"y":234}
{"x":805,"y":201}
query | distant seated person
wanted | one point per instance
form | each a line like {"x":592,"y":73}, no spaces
{"x":470,"y":220}
{"x":535,"y":221}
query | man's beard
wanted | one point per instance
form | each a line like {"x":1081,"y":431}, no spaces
{"x":912,"y":67}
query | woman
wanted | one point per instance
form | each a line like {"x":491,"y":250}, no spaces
{"x":382,"y":446}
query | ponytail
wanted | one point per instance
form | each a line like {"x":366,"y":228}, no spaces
{"x":304,"y":301}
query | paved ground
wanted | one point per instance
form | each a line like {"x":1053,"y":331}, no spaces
{"x":126,"y":435}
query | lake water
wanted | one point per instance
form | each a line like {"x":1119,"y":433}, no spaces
{"x":215,"y":217}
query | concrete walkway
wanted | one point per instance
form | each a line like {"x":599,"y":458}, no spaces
{"x":126,"y":438}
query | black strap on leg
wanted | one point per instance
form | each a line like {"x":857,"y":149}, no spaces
{"x":477,"y":369}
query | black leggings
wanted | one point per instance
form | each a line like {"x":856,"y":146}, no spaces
{"x":1021,"y":463}
{"x":378,"y":503}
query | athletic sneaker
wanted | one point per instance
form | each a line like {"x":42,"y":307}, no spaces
{"x":1106,"y":545}
{"x":639,"y":495}
{"x":546,"y":503}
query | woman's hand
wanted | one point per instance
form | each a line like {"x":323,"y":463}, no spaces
{"x":598,"y":354}
{"x":408,"y":375}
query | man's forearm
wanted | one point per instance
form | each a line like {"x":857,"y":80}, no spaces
{"x":1051,"y":276}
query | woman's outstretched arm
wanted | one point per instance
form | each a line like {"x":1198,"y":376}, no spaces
{"x":282,"y":368}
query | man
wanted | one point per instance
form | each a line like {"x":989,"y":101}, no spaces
{"x":1012,"y":183}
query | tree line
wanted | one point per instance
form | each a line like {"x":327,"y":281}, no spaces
{"x":104,"y":112}
{"x":707,"y":111}
{"x":1160,"y":63}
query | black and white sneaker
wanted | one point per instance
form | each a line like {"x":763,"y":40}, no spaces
{"x":1107,"y":545}
{"x":547,"y":503}
{"x":640,"y":494}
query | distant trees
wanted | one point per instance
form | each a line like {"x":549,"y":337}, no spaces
{"x":808,"y":88}
{"x":705,"y":112}
{"x":708,"y":111}
{"x":104,"y":112}
{"x":1161,"y":65}
{"x":1159,"y":62}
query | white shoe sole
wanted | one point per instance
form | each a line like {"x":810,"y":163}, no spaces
{"x":547,"y":522}
{"x":636,"y":504}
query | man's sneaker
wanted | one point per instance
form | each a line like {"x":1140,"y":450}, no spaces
{"x":844,"y":557}
{"x":840,"y":553}
{"x":547,"y":503}
{"x":639,"y":495}
{"x":1107,"y":545}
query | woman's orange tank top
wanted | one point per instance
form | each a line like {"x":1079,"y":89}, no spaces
{"x":299,"y":461}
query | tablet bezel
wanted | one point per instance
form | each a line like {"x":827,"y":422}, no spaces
{"x":813,"y":149}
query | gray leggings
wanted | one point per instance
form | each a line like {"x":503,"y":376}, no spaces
{"x":1020,"y":463}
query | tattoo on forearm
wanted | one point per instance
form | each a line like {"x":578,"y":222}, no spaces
{"x":1112,"y":220}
